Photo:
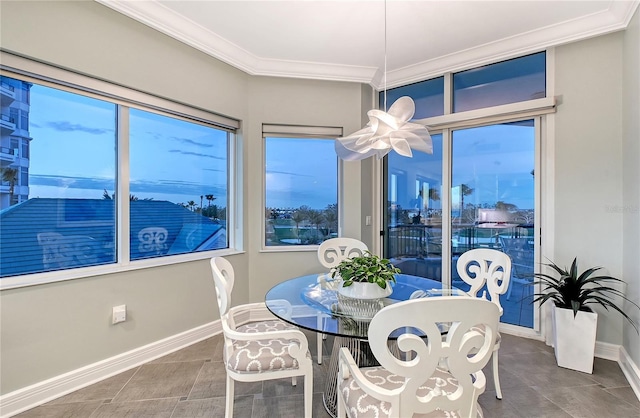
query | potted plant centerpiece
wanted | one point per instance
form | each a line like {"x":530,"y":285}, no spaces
{"x":365,"y":277}
{"x":574,"y":322}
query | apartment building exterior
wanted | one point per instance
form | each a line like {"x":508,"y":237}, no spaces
{"x":14,"y":142}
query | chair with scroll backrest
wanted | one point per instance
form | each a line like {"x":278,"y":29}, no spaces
{"x":439,"y":374}
{"x":488,"y":270}
{"x":330,"y":253}
{"x":263,"y":349}
{"x":63,"y":251}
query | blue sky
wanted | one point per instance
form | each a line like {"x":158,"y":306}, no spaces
{"x":495,"y":161}
{"x":73,"y":155}
{"x":301,"y":172}
{"x":73,"y":152}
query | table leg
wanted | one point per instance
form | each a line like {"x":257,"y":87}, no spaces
{"x":361,"y":354}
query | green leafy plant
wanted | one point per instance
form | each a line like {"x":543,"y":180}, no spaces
{"x":573,"y":290}
{"x":368,"y":268}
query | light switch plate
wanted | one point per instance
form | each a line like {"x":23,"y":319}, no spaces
{"x":119,"y":314}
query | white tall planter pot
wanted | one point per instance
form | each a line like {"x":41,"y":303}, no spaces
{"x":574,"y":338}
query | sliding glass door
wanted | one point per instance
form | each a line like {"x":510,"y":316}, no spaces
{"x":493,"y":205}
{"x":489,"y":202}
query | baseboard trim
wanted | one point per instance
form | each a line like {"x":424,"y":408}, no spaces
{"x":607,"y":351}
{"x":631,"y":371}
{"x":31,"y":396}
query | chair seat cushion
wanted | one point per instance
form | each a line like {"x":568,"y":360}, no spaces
{"x":261,"y":355}
{"x":361,"y":405}
{"x":265,"y":326}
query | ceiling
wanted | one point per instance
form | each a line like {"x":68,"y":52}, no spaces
{"x":345,"y":40}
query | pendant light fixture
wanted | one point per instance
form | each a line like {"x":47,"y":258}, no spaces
{"x":386,"y":130}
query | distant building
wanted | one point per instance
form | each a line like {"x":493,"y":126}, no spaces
{"x":14,"y":140}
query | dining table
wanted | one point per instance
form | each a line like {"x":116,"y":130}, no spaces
{"x":314,"y":302}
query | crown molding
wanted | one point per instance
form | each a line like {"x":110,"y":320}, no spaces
{"x":157,"y":16}
{"x":616,"y":18}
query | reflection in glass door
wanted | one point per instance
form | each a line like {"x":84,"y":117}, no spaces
{"x":413,"y":239}
{"x":493,"y":205}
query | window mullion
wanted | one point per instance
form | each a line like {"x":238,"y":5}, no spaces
{"x":122,"y":189}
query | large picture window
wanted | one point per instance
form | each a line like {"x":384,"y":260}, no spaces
{"x":179,"y":195}
{"x":301,"y":190}
{"x":64,"y":185}
{"x":52,"y":213}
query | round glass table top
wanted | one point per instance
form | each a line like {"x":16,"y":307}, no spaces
{"x":315,"y":303}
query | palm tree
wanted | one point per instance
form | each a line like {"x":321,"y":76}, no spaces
{"x":132,"y":197}
{"x":316,"y":218}
{"x":464,"y":191}
{"x":210,"y":198}
{"x":331,"y":218}
{"x":297,"y":217}
{"x":191,"y":204}
{"x":10,"y":175}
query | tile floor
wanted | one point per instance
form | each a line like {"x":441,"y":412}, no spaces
{"x":191,"y":383}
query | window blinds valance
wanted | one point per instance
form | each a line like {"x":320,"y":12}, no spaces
{"x":297,"y":130}
{"x":520,"y":110}
{"x":49,"y":75}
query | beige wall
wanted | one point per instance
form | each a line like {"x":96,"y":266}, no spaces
{"x":51,"y":329}
{"x":296,"y":102}
{"x":631,"y":177}
{"x":588,"y":155}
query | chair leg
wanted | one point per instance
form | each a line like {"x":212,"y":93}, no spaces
{"x":308,"y":394}
{"x":341,"y":410}
{"x":496,"y":377}
{"x":228,"y":410}
{"x":319,"y":338}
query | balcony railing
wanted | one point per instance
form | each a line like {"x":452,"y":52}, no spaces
{"x":7,"y":93}
{"x":6,"y":86}
{"x":7,"y":123}
{"x":418,"y":240}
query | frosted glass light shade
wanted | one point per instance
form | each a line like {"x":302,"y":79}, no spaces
{"x":386,"y":131}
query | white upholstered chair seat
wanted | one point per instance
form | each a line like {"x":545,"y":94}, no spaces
{"x":265,"y":326}
{"x":263,"y":349}
{"x":261,"y":355}
{"x":361,"y":405}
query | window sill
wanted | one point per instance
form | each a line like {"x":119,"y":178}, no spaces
{"x":84,"y":272}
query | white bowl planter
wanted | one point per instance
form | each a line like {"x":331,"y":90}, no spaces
{"x":360,"y":290}
{"x":574,"y":338}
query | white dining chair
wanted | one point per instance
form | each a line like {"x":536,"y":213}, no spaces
{"x":488,"y":270}
{"x":440,"y":375}
{"x":330,"y":253}
{"x":263,"y":349}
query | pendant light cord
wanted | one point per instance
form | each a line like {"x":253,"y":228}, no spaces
{"x":385,"y":55}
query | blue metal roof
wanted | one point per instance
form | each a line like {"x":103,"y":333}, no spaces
{"x":89,"y":225}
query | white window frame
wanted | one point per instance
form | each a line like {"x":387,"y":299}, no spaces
{"x":296,"y":131}
{"x":25,"y":69}
{"x":542,"y":111}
